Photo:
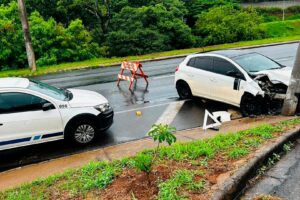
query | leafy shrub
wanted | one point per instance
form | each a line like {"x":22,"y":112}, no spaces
{"x":162,"y":133}
{"x":55,"y":44}
{"x":12,"y":50}
{"x":226,"y":24}
{"x":148,"y":29}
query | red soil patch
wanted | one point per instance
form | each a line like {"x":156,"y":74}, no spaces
{"x":138,"y":184}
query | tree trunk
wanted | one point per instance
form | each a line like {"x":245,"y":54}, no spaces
{"x":291,"y":100}
{"x":27,"y":37}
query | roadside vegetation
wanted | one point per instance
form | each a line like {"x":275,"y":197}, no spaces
{"x":178,"y":171}
{"x":69,"y":35}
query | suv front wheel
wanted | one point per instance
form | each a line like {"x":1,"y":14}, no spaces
{"x":251,"y":106}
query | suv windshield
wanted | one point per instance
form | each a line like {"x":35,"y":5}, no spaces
{"x":255,"y":62}
{"x":59,"y":94}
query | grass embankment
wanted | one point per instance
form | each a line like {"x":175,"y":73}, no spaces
{"x":183,"y":170}
{"x":110,"y":61}
{"x":287,"y":28}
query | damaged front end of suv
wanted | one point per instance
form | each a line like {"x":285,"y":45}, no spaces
{"x":274,"y":93}
{"x":270,"y":91}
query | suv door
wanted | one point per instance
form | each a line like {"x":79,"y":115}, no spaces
{"x":23,"y":121}
{"x":200,"y":75}
{"x":227,"y":82}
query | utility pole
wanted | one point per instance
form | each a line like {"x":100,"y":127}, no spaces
{"x":283,"y":11}
{"x":27,"y":37}
{"x":291,"y":100}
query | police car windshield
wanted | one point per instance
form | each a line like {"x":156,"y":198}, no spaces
{"x":49,"y":90}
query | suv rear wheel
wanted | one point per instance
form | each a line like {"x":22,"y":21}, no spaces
{"x":183,"y":90}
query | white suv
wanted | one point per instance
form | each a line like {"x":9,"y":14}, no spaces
{"x":244,"y":79}
{"x":32,"y":112}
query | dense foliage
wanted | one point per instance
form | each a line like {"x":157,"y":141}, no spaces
{"x":53,"y":43}
{"x":226,"y":24}
{"x":73,"y":30}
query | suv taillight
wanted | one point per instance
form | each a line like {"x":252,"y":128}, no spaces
{"x":177,"y":68}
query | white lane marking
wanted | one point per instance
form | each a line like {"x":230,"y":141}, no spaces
{"x":161,"y":77}
{"x":135,"y":109}
{"x":170,"y":113}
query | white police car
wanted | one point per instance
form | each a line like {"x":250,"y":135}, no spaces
{"x":32,"y":112}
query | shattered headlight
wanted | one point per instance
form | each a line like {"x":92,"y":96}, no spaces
{"x":103,"y":107}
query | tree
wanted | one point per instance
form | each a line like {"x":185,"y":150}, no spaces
{"x":291,"y":100}
{"x":12,"y":52}
{"x":100,"y":9}
{"x":226,"y":24}
{"x":27,"y":37}
{"x":148,"y":29}
{"x":196,"y":7}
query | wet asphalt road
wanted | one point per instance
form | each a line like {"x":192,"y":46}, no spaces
{"x":156,"y":103}
{"x":282,"y":180}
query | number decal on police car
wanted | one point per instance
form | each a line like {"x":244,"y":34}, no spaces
{"x":63,"y":106}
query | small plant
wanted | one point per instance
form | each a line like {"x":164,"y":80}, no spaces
{"x":144,"y":162}
{"x":261,"y":171}
{"x":162,"y":133}
{"x":266,"y":197}
{"x":287,"y":147}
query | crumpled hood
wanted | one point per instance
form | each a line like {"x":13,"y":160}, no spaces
{"x":278,"y":75}
{"x":85,"y":98}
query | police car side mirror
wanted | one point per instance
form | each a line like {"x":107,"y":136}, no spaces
{"x":47,"y":106}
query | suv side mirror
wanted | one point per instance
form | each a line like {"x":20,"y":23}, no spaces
{"x":47,"y":106}
{"x":235,"y":74}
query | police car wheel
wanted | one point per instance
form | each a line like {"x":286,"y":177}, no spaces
{"x":82,"y":132}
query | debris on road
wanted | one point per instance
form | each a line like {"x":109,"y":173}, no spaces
{"x":138,"y":113}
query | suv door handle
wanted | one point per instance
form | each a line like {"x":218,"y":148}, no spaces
{"x":1,"y":124}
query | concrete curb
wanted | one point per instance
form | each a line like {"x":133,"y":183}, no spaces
{"x":268,"y":45}
{"x":234,"y":184}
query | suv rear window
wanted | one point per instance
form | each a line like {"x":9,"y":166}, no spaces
{"x":204,"y":63}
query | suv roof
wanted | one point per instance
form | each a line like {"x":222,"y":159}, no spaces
{"x":230,"y":53}
{"x":14,"y":82}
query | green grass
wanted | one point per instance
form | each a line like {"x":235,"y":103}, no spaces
{"x":98,"y":175}
{"x":286,"y":28}
{"x":181,"y":179}
{"x":104,"y":62}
